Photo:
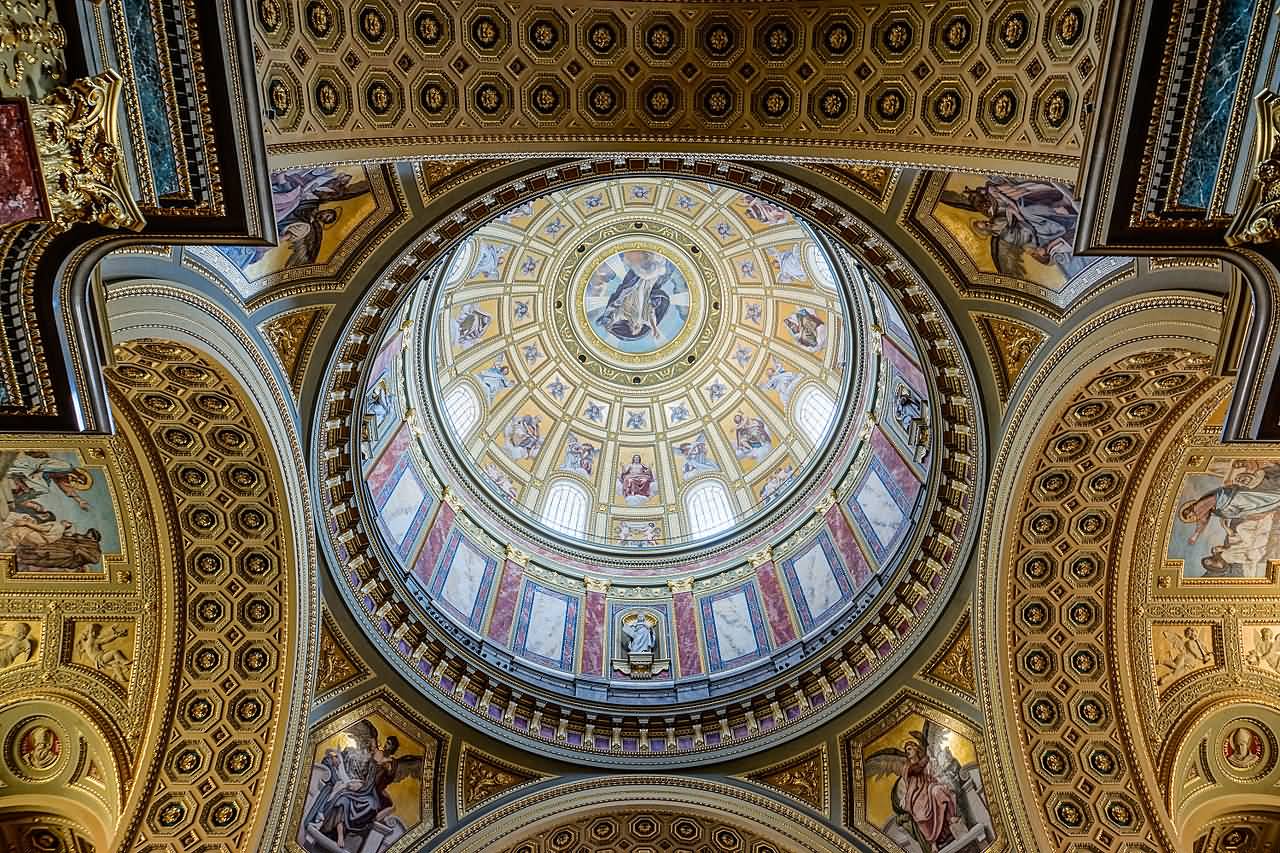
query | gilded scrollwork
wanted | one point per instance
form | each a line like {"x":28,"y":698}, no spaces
{"x":1258,"y":218}
{"x":78,"y":137}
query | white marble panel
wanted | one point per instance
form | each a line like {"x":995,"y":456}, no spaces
{"x":402,"y":505}
{"x":817,"y":579}
{"x":880,"y":509}
{"x":462,"y":582}
{"x":547,"y":621}
{"x":733,"y":626}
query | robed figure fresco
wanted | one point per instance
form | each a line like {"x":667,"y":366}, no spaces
{"x":636,"y":482}
{"x":1234,"y":519}
{"x":640,"y":312}
{"x":932,"y":810}
{"x":301,"y":200}
{"x":56,"y":513}
{"x":1023,"y":218}
{"x":352,"y":802}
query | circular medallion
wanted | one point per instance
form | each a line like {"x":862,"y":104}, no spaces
{"x":636,"y":301}
{"x":37,"y":750}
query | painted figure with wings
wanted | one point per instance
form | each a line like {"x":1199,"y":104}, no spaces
{"x":302,"y":202}
{"x":1023,"y":218}
{"x":931,"y":809}
{"x":353,"y":797}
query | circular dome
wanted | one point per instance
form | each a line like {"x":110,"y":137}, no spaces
{"x":797,"y":513}
{"x":644,"y":363}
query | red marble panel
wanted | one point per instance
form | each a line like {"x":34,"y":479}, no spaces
{"x":504,"y":604}
{"x":434,"y":543}
{"x":905,"y":365}
{"x":775,"y":604}
{"x":889,"y":454}
{"x":593,"y":635}
{"x":687,"y":634}
{"x":847,"y":546}
{"x":21,"y":187}
{"x":385,"y":467}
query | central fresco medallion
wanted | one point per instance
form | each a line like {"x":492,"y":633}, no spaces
{"x":636,"y":301}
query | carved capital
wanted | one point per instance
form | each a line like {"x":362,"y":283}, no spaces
{"x":596,"y":584}
{"x":680,"y":585}
{"x":515,"y":555}
{"x":78,"y":137}
{"x":759,"y":558}
{"x":1258,"y":218}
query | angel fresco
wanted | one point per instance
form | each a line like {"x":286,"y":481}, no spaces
{"x":1024,"y":219}
{"x":303,"y":202}
{"x":937,"y":804}
{"x":56,"y":514}
{"x":352,"y":803}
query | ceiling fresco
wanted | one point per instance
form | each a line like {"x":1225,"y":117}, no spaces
{"x":645,"y":427}
{"x":726,"y":283}
{"x":641,"y":338}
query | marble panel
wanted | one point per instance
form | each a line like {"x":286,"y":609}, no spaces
{"x":879,"y":509}
{"x":463,"y":579}
{"x":546,"y":629}
{"x":734,"y":627}
{"x":818,"y":582}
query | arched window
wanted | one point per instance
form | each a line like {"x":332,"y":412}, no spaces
{"x":462,"y":408}
{"x":708,"y":508}
{"x":814,"y":410}
{"x":565,"y":508}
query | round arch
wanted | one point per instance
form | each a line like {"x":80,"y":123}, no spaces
{"x":646,"y":808}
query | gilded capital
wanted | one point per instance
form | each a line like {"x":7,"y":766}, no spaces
{"x":1258,"y":217}
{"x":680,"y":585}
{"x":78,"y":138}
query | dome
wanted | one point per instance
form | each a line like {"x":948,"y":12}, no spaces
{"x":641,"y":363}
{"x":649,"y":441}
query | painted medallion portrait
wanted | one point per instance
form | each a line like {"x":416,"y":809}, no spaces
{"x":637,"y":301}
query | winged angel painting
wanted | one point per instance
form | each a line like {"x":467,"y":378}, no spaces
{"x":934,"y":802}
{"x":1024,"y":228}
{"x":351,"y":805}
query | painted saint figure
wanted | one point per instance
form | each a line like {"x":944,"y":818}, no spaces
{"x":695,"y":457}
{"x":807,"y":329}
{"x":469,"y":326}
{"x":636,"y":483}
{"x":1023,"y":218}
{"x":751,"y":438}
{"x":496,"y":378}
{"x":524,"y":436}
{"x":636,"y":307}
{"x":1244,"y":508}
{"x":353,"y":797}
{"x":779,"y":380}
{"x":579,"y":455}
{"x":929,"y":802}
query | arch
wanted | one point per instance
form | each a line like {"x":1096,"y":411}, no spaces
{"x":142,"y":309}
{"x":814,"y":409}
{"x":592,"y":806}
{"x":565,"y":507}
{"x":462,"y":408}
{"x":708,"y":507}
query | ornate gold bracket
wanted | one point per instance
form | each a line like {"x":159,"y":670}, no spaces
{"x":78,"y":138}
{"x":1258,"y":218}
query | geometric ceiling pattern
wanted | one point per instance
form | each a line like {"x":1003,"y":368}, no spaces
{"x":940,"y":83}
{"x":638,"y":353}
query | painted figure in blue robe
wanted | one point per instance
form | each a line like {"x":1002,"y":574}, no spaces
{"x":1023,"y":217}
{"x":300,"y":201}
{"x":1235,"y":502}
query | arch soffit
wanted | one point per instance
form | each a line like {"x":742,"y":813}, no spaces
{"x":1171,"y":320}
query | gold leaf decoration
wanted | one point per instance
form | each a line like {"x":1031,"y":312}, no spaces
{"x":1010,"y":345}
{"x":336,"y":665}
{"x":483,"y":777}
{"x":803,"y":778}
{"x":291,"y":335}
{"x":953,"y":667}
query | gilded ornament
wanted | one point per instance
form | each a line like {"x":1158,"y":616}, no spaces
{"x":31,"y":46}
{"x":955,"y":666}
{"x":1258,"y":216}
{"x":803,"y":778}
{"x":78,"y":137}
